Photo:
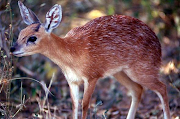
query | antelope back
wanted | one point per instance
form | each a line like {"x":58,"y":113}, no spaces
{"x":117,"y":42}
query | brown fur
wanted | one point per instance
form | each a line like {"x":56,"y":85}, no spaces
{"x":111,"y":45}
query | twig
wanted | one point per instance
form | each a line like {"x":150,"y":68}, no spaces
{"x":20,"y":78}
{"x":25,"y":70}
{"x":47,"y":91}
{"x":20,"y":107}
{"x":171,"y":84}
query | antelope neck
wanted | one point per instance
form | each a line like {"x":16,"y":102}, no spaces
{"x":59,"y":51}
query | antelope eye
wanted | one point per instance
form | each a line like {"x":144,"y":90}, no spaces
{"x":32,"y":39}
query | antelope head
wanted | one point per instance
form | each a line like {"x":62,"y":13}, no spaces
{"x":34,"y":37}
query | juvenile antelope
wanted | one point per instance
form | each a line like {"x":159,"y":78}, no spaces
{"x":118,"y":45}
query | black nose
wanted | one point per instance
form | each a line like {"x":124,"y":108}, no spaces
{"x":12,"y":49}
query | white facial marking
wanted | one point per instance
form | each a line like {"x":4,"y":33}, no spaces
{"x":18,"y":52}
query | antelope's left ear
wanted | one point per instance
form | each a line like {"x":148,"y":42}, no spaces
{"x":53,"y":18}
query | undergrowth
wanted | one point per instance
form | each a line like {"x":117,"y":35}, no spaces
{"x":8,"y":109}
{"x":6,"y":70}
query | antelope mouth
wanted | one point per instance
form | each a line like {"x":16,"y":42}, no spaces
{"x":18,"y":54}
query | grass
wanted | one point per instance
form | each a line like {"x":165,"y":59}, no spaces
{"x":7,"y":69}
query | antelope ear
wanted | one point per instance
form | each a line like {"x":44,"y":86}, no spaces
{"x":28,"y":16}
{"x":53,"y":18}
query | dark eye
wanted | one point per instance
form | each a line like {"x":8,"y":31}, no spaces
{"x":32,"y":39}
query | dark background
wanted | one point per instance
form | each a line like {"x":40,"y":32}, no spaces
{"x":27,"y":98}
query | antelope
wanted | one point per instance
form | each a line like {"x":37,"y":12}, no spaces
{"x":117,"y":45}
